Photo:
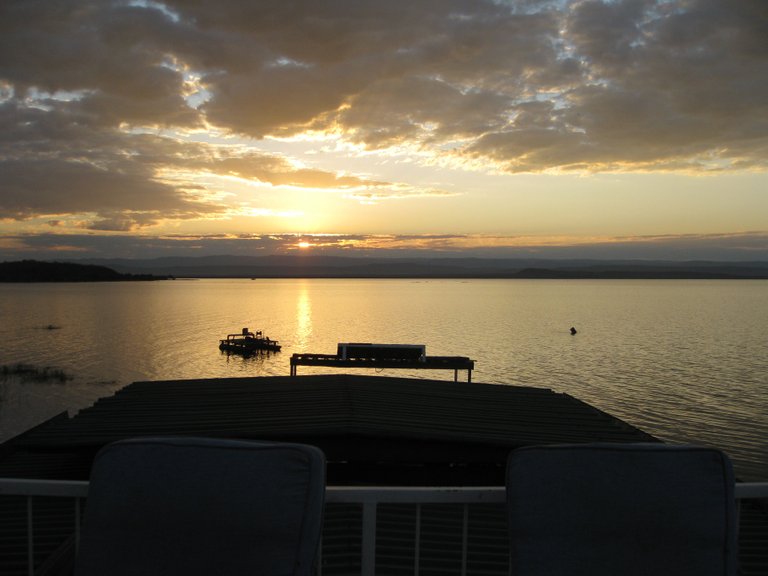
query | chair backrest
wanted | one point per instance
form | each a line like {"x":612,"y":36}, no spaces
{"x":193,"y":506}
{"x":621,"y":510}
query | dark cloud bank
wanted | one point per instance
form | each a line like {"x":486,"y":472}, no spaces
{"x":744,"y":247}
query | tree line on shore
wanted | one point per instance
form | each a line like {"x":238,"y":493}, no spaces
{"x":37,"y":271}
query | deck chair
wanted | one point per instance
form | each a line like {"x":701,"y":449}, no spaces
{"x":191,"y":506}
{"x":621,"y":510}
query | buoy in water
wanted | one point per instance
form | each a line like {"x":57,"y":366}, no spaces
{"x":573,"y":330}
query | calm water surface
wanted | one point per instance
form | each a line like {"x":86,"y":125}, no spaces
{"x":684,"y":360}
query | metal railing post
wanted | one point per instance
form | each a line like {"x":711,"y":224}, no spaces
{"x":464,"y":540}
{"x":369,"y":539}
{"x":417,"y":553}
{"x":77,"y":525}
{"x":30,"y":539}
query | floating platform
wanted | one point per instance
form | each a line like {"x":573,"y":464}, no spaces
{"x":247,"y":343}
{"x":454,"y":363}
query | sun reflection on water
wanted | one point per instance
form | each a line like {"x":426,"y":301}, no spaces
{"x":303,"y":317}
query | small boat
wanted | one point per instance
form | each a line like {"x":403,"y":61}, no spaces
{"x":248,"y":342}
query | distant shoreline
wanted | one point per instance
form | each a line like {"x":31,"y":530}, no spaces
{"x":534,"y":275}
{"x":295,"y":267}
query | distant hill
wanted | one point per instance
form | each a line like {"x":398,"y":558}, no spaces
{"x":37,"y":271}
{"x":314,"y":266}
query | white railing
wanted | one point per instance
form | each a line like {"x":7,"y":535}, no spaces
{"x":369,"y":498}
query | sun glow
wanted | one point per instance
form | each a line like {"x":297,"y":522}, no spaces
{"x":304,"y":245}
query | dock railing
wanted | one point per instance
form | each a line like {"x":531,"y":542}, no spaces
{"x":368,"y":499}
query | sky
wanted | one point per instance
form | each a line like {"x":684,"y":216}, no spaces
{"x":520,"y":128}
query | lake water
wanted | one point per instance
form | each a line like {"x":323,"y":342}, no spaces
{"x":683,"y":360}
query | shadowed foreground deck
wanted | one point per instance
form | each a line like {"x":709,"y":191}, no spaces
{"x":373,"y":430}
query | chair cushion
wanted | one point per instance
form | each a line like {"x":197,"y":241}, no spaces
{"x":202,"y":506}
{"x":621,"y":509}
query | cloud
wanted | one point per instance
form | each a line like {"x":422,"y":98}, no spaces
{"x":53,"y":162}
{"x":664,"y":86}
{"x":373,"y":194}
{"x":113,"y":52}
{"x":278,"y":171}
{"x":628,"y":84}
{"x":100,"y":100}
{"x":56,"y":162}
{"x":590,"y":85}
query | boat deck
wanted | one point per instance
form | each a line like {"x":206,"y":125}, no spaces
{"x":247,"y":343}
{"x":249,"y":346}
